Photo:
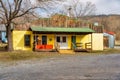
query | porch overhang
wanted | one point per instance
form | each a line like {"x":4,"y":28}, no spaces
{"x":60,"y":30}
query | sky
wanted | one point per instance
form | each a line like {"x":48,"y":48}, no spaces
{"x":106,"y":6}
{"x":103,"y":6}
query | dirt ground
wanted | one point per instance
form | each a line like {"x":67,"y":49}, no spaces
{"x":70,"y":67}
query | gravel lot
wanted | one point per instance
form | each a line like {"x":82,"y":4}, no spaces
{"x":70,"y":67}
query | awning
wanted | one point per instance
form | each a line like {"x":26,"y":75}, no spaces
{"x":61,"y":29}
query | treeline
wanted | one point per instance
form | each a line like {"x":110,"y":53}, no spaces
{"x":110,"y":22}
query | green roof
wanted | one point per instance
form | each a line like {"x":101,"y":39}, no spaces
{"x":61,"y":29}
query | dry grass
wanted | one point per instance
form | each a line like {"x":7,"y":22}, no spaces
{"x":112,"y":51}
{"x":21,"y":55}
{"x":105,"y":52}
{"x":15,"y":56}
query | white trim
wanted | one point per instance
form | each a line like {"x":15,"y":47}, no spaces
{"x":62,"y":44}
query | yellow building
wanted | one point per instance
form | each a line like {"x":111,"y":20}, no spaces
{"x":52,"y":38}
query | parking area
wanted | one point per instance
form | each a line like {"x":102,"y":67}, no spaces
{"x":69,"y":67}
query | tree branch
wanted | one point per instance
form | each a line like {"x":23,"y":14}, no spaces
{"x":17,"y":7}
{"x":25,"y":12}
{"x":10,"y":7}
{"x":4,"y":8}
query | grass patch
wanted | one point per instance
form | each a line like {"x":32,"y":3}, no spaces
{"x":104,"y":52}
{"x":15,"y":56}
{"x":21,"y":55}
{"x":107,"y":51}
{"x":112,"y":51}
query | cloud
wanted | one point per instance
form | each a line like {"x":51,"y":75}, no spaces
{"x":103,"y":6}
{"x":107,"y":7}
{"x":93,"y":1}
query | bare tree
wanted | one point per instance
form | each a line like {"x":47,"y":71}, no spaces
{"x":76,"y":8}
{"x":12,"y":9}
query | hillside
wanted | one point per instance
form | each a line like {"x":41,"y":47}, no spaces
{"x":110,"y":22}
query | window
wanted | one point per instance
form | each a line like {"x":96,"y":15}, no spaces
{"x":58,"y":39}
{"x":44,"y":40}
{"x":27,"y":40}
{"x":64,"y":39}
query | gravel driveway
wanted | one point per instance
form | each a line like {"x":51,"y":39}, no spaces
{"x":71,"y":67}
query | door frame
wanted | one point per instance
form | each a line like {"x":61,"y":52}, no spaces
{"x":61,"y":41}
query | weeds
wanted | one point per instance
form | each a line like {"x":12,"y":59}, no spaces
{"x":22,"y":55}
{"x":14,"y":56}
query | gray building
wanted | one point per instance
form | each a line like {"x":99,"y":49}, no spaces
{"x":3,"y":34}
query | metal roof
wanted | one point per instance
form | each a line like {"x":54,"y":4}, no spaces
{"x":61,"y":29}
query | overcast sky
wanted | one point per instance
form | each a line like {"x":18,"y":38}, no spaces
{"x":103,"y":6}
{"x":106,"y":6}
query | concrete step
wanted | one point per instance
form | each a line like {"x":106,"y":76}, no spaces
{"x":66,"y":52}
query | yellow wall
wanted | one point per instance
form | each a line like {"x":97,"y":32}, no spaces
{"x":50,"y":38}
{"x":69,"y":41}
{"x":18,"y":40}
{"x":97,"y":39}
{"x":52,"y":42}
{"x":83,"y":39}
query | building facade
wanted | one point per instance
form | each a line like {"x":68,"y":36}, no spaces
{"x":50,"y":38}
